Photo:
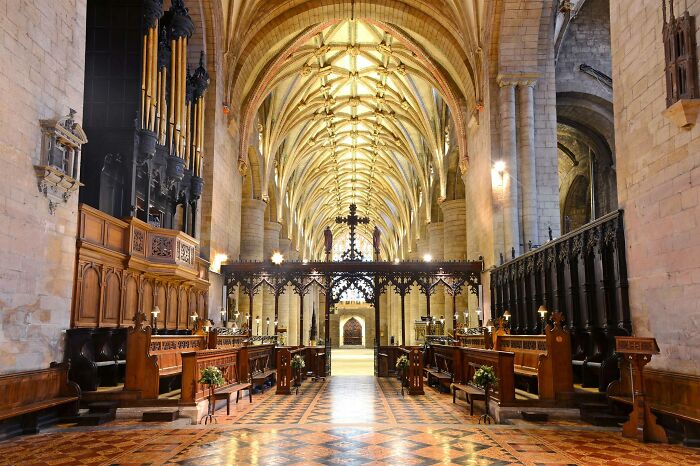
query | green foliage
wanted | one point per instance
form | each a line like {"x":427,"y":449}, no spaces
{"x":484,"y":377}
{"x":402,"y":363}
{"x":298,"y":362}
{"x":212,"y":376}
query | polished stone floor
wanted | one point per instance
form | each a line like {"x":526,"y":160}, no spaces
{"x":352,"y":420}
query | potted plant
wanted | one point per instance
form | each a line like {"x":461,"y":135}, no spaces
{"x":298,"y":364}
{"x":401,"y":368}
{"x":212,"y":377}
{"x":485,"y":378}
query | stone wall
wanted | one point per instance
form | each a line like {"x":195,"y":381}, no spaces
{"x":658,"y":185}
{"x":587,"y":40}
{"x":43,"y":52}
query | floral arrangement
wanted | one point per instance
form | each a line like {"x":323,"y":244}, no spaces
{"x":212,"y":376}
{"x":402,"y":363}
{"x":298,"y":362}
{"x":485,"y":377}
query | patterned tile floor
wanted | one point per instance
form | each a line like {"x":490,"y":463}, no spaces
{"x":345,"y":420}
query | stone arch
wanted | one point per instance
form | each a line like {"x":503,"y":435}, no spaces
{"x":585,"y":136}
{"x":576,"y":211}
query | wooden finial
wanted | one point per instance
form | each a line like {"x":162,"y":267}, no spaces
{"x":557,"y":318}
{"x":139,"y":319}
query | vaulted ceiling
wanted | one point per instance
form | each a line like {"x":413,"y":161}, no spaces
{"x":348,"y":107}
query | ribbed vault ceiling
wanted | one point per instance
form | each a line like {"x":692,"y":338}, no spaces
{"x":353,"y":117}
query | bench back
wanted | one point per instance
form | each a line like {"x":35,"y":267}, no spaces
{"x":468,"y":360}
{"x":25,"y":388}
{"x":231,"y":361}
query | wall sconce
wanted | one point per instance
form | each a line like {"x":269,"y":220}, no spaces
{"x":497,"y":172}
{"x":216,"y":263}
{"x":277,"y":258}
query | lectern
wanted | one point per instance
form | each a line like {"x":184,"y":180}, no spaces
{"x":642,"y":423}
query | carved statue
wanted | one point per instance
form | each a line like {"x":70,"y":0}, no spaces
{"x":328,"y":239}
{"x":376,"y":240}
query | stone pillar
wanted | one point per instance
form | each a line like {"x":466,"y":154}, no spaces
{"x":423,"y":248}
{"x":436,"y":241}
{"x":412,"y":304}
{"x":511,"y":229}
{"x":527,"y":162}
{"x":293,"y":325}
{"x":284,"y":299}
{"x":252,"y":234}
{"x":455,"y":248}
{"x":271,"y":244}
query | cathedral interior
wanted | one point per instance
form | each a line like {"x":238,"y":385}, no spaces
{"x":399,"y":231}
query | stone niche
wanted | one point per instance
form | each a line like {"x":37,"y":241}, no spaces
{"x":58,"y":172}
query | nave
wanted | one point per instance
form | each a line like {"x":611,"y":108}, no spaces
{"x":353,"y":420}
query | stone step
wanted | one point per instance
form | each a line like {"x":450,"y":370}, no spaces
{"x":603,"y":419}
{"x":94,"y":419}
{"x":103,"y":407}
{"x":160,"y":416}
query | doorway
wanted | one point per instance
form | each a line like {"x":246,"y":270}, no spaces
{"x":352,"y":333}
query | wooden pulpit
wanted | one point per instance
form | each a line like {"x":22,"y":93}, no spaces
{"x":642,"y":423}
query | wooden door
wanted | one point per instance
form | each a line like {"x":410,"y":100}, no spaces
{"x":352,"y":332}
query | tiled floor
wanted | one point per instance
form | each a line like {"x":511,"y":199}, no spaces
{"x":345,"y":420}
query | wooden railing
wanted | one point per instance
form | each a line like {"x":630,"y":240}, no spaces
{"x":233,"y":362}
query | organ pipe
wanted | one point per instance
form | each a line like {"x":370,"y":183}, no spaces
{"x":172,"y":100}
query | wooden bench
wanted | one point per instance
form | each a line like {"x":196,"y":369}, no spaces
{"x":150,"y":358}
{"x":440,"y":375}
{"x":466,"y":361}
{"x":25,"y":394}
{"x":542,"y":359}
{"x":260,"y":360}
{"x":473,"y":394}
{"x":225,"y":393}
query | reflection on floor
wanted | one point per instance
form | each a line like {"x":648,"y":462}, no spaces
{"x":345,"y":420}
{"x":351,"y":361}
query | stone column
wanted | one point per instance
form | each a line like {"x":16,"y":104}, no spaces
{"x":293,"y":325}
{"x":252,"y":234}
{"x":527,"y":162}
{"x":271,"y":244}
{"x":284,"y":299}
{"x":423,"y":248}
{"x":436,"y":240}
{"x":412,"y":303}
{"x":455,"y":248}
{"x":511,"y":229}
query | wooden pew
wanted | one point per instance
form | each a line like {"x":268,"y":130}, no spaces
{"x":414,"y":374}
{"x":674,"y":399}
{"x":439,"y":372}
{"x":25,"y":394}
{"x":546,"y":358}
{"x":466,"y":361}
{"x":475,"y":341}
{"x":261,"y":360}
{"x":150,"y":357}
{"x":233,"y":363}
{"x":387,"y":360}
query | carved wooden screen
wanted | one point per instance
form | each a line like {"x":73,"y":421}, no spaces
{"x":680,"y":56}
{"x":352,"y":332}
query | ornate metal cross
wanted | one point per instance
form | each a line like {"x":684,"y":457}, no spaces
{"x":352,"y":220}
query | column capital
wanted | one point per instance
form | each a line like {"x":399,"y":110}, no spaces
{"x":250,"y":203}
{"x":517,"y":79}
